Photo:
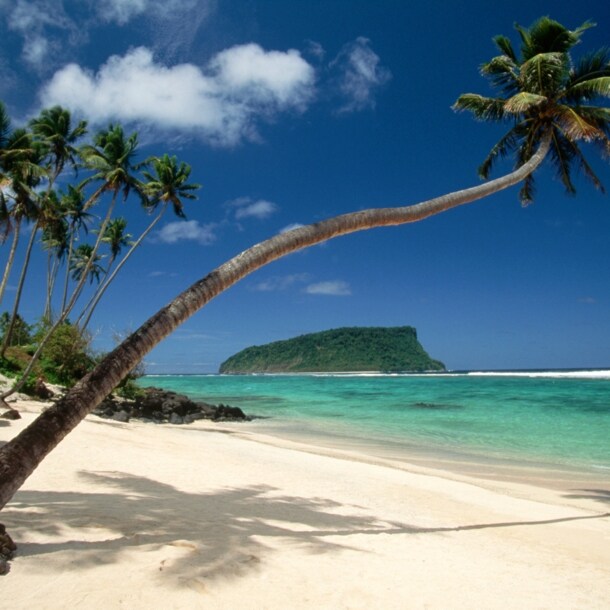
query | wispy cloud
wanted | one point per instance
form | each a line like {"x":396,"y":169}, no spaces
{"x":51,"y":29}
{"x":336,"y":288}
{"x":186,"y":230}
{"x":221,"y":103}
{"x":588,"y":300}
{"x":280,"y":283}
{"x":359,"y":75}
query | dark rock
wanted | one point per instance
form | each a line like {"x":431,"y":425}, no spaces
{"x":161,"y":406}
{"x":174,"y":418}
{"x":228,"y":413}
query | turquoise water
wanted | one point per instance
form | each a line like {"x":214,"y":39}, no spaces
{"x":558,"y":420}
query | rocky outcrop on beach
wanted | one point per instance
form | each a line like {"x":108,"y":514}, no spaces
{"x":162,"y":406}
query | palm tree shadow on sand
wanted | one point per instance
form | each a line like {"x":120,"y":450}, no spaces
{"x":220,"y":533}
{"x":225,"y":533}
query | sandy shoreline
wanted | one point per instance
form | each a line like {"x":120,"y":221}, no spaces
{"x":143,"y":516}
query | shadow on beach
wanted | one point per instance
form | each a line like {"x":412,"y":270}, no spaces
{"x":225,"y":533}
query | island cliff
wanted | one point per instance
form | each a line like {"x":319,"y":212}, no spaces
{"x":394,"y":349}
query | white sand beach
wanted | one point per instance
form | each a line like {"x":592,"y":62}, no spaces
{"x":207,"y":516}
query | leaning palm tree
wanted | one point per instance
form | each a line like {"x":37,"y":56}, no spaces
{"x":20,"y":456}
{"x":545,"y":97}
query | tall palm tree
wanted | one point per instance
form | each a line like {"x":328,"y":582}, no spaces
{"x":54,"y":128}
{"x":23,"y":160}
{"x":166,"y":185}
{"x":73,"y":208}
{"x":20,"y":456}
{"x":117,"y":238}
{"x":20,"y":174}
{"x":110,"y":158}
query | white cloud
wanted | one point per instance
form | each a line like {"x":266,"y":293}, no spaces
{"x":186,"y":230}
{"x":260,"y":209}
{"x":279,"y":283}
{"x":360,"y":75}
{"x":337,"y":288}
{"x":220,"y":103}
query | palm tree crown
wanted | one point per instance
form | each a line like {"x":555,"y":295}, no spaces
{"x":544,"y":94}
{"x":54,"y":129}
{"x":168,"y":183}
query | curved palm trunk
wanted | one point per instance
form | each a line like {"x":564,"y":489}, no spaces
{"x":20,"y":456}
{"x":11,"y":258}
{"x":108,"y":280}
{"x":24,"y":269}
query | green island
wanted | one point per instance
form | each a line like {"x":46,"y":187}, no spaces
{"x":355,"y":349}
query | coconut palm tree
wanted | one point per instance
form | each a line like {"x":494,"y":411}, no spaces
{"x":73,"y":208}
{"x":166,"y":186}
{"x":20,"y":456}
{"x":23,"y":161}
{"x":544,"y":95}
{"x":54,"y":128}
{"x":110,"y":159}
{"x":20,"y":174}
{"x":117,"y":238}
{"x":85,"y":263}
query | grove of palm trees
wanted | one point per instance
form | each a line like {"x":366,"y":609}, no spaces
{"x":551,"y":101}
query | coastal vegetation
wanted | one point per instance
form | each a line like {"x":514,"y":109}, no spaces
{"x":544,"y":95}
{"x":338,"y":350}
{"x":65,"y":192}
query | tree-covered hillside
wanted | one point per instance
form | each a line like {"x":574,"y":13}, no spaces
{"x":339,"y":350}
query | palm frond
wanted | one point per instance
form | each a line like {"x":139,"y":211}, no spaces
{"x":522,"y":102}
{"x":507,"y":143}
{"x":544,"y":73}
{"x":562,"y":156}
{"x":503,"y":73}
{"x":547,"y":36}
{"x":503,"y":43}
{"x":483,"y":108}
{"x":575,"y":126}
{"x":590,"y":89}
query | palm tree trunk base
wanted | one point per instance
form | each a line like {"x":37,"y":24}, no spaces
{"x":7,"y":548}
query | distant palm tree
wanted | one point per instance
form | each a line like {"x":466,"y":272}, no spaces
{"x":85,"y":263}
{"x":73,"y":209}
{"x":20,"y":456}
{"x":117,"y":238}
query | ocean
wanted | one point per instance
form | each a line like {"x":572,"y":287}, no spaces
{"x":551,"y":422}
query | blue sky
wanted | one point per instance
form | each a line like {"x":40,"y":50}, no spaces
{"x":294,"y":111}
